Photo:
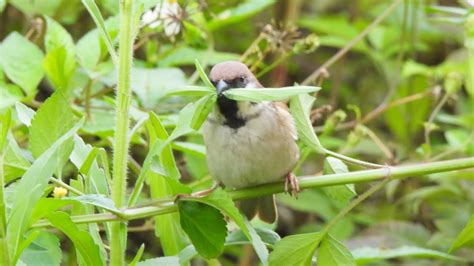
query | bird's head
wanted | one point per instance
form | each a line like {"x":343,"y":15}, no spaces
{"x":232,"y":74}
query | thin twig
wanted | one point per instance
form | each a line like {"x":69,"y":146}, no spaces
{"x":351,"y":44}
{"x":433,"y":114}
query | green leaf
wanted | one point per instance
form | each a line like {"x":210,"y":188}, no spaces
{"x":82,"y":241}
{"x":238,"y":13}
{"x":98,"y":201}
{"x":368,"y":254}
{"x":15,"y":164}
{"x":465,"y":237}
{"x":234,"y":238}
{"x":52,"y":120}
{"x":341,"y":193}
{"x":162,"y":261}
{"x":190,"y":91}
{"x":36,"y":7}
{"x":90,"y":50}
{"x":268,"y":94}
{"x":100,"y":23}
{"x":138,"y":256}
{"x":162,"y":185}
{"x":31,"y":188}
{"x":45,"y":250}
{"x":98,"y":176}
{"x":9,"y":95}
{"x":333,"y":252}
{"x":25,"y":114}
{"x":190,"y":148}
{"x":295,"y":250}
{"x":300,"y":107}
{"x":151,"y":85}
{"x":203,"y":107}
{"x":60,"y":61}
{"x":3,"y":3}
{"x":220,"y":200}
{"x":205,"y":226}
{"x":202,"y":75}
{"x":185,"y":55}
{"x":21,"y":61}
{"x":45,"y":206}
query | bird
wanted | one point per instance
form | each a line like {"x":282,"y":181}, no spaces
{"x":249,"y":143}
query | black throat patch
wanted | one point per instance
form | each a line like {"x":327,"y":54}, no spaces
{"x":229,"y":110}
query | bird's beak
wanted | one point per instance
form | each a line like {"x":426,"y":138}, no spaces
{"x":221,"y":86}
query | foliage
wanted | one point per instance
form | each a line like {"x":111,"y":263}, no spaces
{"x":101,"y":105}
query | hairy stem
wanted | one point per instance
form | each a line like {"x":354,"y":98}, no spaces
{"x":120,"y":156}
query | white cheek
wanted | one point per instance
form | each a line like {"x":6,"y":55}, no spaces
{"x":251,"y":85}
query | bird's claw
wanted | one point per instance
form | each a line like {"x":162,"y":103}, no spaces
{"x":292,"y":181}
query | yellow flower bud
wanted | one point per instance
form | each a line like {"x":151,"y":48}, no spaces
{"x":59,"y":192}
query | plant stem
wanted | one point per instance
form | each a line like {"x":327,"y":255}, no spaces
{"x":354,"y":203}
{"x":4,"y":252}
{"x":120,"y":156}
{"x":396,"y":172}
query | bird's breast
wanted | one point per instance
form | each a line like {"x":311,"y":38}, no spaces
{"x":262,"y":150}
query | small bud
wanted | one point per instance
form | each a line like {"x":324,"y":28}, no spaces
{"x":453,"y":82}
{"x":59,"y":192}
{"x":306,"y":45}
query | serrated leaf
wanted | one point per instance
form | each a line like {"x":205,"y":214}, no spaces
{"x":295,"y":250}
{"x":52,"y":120}
{"x":82,"y":241}
{"x":21,"y":61}
{"x":300,"y":107}
{"x":465,"y":237}
{"x":368,"y":254}
{"x":205,"y":226}
{"x":268,"y":94}
{"x":59,"y":62}
{"x":219,"y":199}
{"x":31,"y":187}
{"x":237,"y":237}
{"x":333,"y":252}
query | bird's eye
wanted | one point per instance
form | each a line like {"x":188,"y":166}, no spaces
{"x":241,"y":79}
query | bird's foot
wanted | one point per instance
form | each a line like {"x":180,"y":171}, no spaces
{"x":292,"y":185}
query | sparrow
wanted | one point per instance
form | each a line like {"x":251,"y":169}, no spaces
{"x":249,"y":143}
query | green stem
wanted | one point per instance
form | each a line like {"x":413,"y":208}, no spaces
{"x":354,"y":203}
{"x":4,"y":252}
{"x":305,"y":182}
{"x":352,"y":160}
{"x":120,"y":156}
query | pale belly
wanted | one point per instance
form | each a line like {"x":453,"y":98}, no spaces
{"x":261,"y":151}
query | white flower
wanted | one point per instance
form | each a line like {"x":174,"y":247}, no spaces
{"x":166,"y":13}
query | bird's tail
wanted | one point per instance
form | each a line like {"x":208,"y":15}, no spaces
{"x":264,"y":207}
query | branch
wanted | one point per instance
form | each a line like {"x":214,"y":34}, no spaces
{"x":398,"y":172}
{"x":351,"y":44}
